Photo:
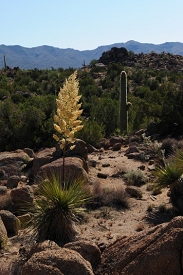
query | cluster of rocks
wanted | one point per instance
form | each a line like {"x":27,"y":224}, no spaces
{"x":157,"y":250}
{"x":20,"y":172}
{"x":162,"y":61}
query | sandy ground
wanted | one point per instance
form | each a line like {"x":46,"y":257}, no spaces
{"x":106,"y":224}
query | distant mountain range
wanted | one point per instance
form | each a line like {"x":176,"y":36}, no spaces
{"x":43,"y":57}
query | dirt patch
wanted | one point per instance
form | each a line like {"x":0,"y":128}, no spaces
{"x":106,"y":224}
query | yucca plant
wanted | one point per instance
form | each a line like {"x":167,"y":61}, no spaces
{"x":171,"y":176}
{"x":56,"y":209}
{"x":178,"y":159}
{"x":66,"y":120}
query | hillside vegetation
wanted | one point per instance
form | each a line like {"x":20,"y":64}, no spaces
{"x":155,"y":89}
{"x":43,"y":57}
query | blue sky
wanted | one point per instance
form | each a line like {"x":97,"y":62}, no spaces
{"x":87,"y":24}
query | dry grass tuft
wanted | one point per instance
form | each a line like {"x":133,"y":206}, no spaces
{"x":112,"y":197}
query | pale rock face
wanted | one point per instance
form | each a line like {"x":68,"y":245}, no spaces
{"x":57,"y":262}
{"x":155,"y":251}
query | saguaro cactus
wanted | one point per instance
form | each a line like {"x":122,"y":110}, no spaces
{"x":5,"y":62}
{"x":123,"y":119}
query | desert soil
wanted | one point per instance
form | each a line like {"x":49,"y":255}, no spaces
{"x":106,"y":224}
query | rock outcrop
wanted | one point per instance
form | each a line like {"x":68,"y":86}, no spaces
{"x":153,"y":252}
{"x":114,"y":55}
{"x":57,"y":262}
{"x":13,"y":163}
{"x":11,"y":222}
{"x":89,"y":251}
{"x":155,"y":61}
{"x":74,"y":168}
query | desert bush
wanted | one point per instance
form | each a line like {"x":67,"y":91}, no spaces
{"x":136,"y":178}
{"x":112,"y":197}
{"x":156,"y":191}
{"x":134,"y":191}
{"x":153,"y":147}
{"x":150,"y":186}
{"x":91,"y":133}
{"x":169,"y":145}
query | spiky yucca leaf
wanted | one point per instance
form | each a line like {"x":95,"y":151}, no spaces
{"x":171,"y":176}
{"x":167,"y":175}
{"x":56,"y":208}
{"x":178,"y":159}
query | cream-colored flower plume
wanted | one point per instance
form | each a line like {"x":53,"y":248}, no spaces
{"x":68,"y":111}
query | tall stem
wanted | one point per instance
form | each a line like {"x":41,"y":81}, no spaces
{"x":63,"y":168}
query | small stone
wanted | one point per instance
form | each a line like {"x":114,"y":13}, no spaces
{"x":102,"y":175}
{"x":105,"y":164}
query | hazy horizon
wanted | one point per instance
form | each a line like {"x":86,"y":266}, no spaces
{"x":86,"y":25}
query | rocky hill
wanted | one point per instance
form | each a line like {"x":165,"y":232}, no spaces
{"x":162,"y":61}
{"x":43,"y":57}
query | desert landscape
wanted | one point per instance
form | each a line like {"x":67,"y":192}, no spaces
{"x":125,"y":212}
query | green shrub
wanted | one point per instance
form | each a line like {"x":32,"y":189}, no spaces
{"x":91,"y":133}
{"x":135,"y":178}
{"x":169,"y":145}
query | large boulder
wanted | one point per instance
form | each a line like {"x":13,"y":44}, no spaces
{"x":10,"y":221}
{"x":114,"y":55}
{"x":155,"y":251}
{"x":80,"y":150}
{"x":13,"y":182}
{"x":43,"y":157}
{"x":88,"y":250}
{"x":57,"y":262}
{"x":3,"y":234}
{"x":49,"y":155}
{"x":74,"y":168}
{"x":13,"y":163}
{"x":43,"y":246}
{"x":22,"y":195}
{"x":115,"y":139}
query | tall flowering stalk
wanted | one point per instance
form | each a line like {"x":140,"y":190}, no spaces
{"x":66,"y":118}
